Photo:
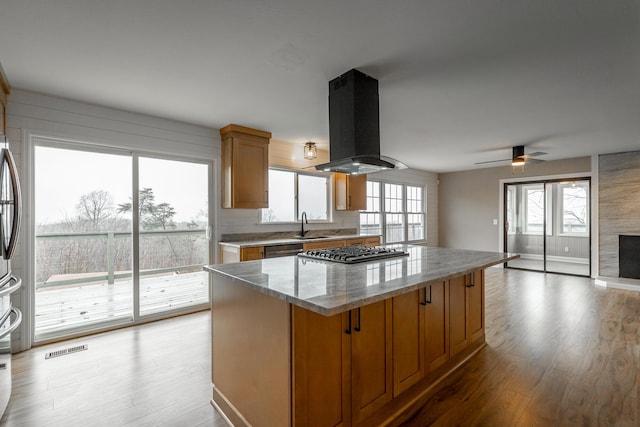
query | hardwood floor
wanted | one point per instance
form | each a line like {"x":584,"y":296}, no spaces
{"x":149,"y":375}
{"x":560,"y":351}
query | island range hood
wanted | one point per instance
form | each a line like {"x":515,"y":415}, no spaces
{"x":354,"y":126}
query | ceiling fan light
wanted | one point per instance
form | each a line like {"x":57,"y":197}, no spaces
{"x":517,"y":162}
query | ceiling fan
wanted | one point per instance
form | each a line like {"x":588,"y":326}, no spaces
{"x":519,"y":158}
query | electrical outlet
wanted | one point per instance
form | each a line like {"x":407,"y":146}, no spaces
{"x":495,"y":221}
{"x":566,"y":248}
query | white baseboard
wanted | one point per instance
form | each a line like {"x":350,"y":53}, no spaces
{"x":567,"y":259}
{"x":618,"y":283}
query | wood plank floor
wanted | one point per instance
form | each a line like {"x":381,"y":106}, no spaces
{"x":560,"y":352}
{"x":157,"y":374}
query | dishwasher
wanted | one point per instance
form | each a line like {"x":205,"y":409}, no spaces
{"x":275,"y":251}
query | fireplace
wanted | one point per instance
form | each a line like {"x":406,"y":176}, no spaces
{"x":629,"y":256}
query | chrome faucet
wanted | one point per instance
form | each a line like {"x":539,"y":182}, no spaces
{"x":303,"y":219}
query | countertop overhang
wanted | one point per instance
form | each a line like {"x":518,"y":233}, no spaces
{"x":330,"y":288}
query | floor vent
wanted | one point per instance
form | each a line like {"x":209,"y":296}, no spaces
{"x":66,"y":351}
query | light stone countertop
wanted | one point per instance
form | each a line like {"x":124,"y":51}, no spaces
{"x":270,"y":242}
{"x":330,"y":288}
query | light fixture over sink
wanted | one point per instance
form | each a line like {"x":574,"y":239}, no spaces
{"x":310,"y":150}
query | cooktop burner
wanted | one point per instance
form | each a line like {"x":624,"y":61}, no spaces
{"x":352,"y":254}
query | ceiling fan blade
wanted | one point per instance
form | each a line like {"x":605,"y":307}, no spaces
{"x":492,"y":161}
{"x":534,"y":160}
{"x":536,"y":154}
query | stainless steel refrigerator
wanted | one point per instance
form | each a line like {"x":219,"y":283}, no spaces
{"x":10,"y":317}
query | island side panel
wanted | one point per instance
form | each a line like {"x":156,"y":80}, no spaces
{"x":250,"y":354}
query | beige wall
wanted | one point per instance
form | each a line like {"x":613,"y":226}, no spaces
{"x":469,"y":201}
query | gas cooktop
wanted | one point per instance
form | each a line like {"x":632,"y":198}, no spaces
{"x":352,"y":254}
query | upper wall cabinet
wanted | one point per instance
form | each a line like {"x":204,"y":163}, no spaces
{"x":4,"y":91}
{"x":350,"y":192}
{"x":245,"y":167}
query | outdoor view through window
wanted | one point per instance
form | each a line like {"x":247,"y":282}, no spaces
{"x":84,"y":238}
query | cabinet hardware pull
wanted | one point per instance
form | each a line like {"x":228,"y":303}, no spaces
{"x":426,"y":301}
{"x":357,"y":328}
{"x":471,"y":281}
{"x":348,"y":330}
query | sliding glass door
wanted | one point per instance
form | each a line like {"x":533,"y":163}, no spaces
{"x":173,"y":245}
{"x":548,"y":224}
{"x":119,"y":237}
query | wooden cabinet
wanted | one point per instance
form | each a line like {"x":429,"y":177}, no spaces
{"x":364,"y":241}
{"x":230,"y":254}
{"x":342,"y":365}
{"x":292,"y":366}
{"x":350,"y":192}
{"x":433,"y":324}
{"x":245,"y":167}
{"x":323,"y":244}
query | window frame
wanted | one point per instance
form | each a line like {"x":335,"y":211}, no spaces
{"x":560,"y":209}
{"x":404,"y":211}
{"x":296,"y":205}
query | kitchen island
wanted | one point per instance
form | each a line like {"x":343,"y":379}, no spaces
{"x":298,"y":341}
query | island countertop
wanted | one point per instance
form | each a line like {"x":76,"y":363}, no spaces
{"x":330,"y":288}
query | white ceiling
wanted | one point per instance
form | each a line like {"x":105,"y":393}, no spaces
{"x":461,"y":81}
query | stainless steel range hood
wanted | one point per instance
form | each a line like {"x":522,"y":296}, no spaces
{"x":354,"y":126}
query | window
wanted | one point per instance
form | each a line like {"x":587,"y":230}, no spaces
{"x":574,"y":207}
{"x":396,"y":211}
{"x":291,"y":193}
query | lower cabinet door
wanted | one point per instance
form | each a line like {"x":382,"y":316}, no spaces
{"x":458,"y":332}
{"x":321,"y":369}
{"x":371,"y":358}
{"x":476,"y":305}
{"x":408,"y":340}
{"x":436,"y":312}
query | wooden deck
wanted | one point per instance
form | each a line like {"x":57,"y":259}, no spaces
{"x":70,"y":307}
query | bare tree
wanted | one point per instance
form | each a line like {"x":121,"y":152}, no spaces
{"x":95,"y":207}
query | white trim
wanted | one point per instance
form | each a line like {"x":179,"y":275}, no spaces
{"x":28,"y":243}
{"x":618,"y":283}
{"x":595,"y":216}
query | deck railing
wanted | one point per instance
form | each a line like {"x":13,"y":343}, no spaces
{"x":110,"y":236}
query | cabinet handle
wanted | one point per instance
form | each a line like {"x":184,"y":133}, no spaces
{"x":471,"y":281}
{"x":349,"y":200}
{"x":348,"y":330}
{"x":426,"y":301}
{"x":357,"y":328}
